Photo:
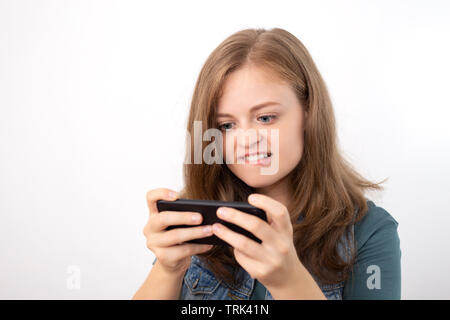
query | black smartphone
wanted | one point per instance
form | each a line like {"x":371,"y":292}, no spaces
{"x":208,"y":209}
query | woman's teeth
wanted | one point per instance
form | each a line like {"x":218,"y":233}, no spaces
{"x":256,"y":157}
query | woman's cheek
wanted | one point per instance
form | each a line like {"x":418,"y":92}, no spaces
{"x":228,"y":148}
{"x":291,"y":151}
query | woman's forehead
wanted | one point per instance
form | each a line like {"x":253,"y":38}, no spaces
{"x":249,"y":93}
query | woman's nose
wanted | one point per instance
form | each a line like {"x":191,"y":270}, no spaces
{"x":248,"y":137}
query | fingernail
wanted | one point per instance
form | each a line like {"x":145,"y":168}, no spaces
{"x":222,"y":212}
{"x":207,"y":229}
{"x":196,"y":218}
{"x":216,"y":227}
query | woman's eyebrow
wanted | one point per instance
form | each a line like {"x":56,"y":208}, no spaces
{"x":253,"y":109}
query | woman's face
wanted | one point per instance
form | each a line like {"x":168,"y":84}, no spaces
{"x":238,"y":119}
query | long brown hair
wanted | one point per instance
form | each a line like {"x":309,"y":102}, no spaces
{"x":325,"y":189}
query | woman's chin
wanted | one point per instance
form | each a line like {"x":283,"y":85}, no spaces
{"x":258,"y":181}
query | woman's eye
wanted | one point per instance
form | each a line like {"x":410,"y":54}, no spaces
{"x":267,"y":117}
{"x":229,"y":125}
{"x":225,"y":126}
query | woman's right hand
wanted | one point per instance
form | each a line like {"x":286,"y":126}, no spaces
{"x":172,"y":255}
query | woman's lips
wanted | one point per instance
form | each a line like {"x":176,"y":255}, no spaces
{"x":257,"y":159}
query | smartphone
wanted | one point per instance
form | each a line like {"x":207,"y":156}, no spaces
{"x":208,"y":209}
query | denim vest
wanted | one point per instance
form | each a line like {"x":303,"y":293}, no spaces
{"x":200,"y":283}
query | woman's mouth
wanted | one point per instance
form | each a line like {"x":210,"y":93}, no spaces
{"x":257,"y":159}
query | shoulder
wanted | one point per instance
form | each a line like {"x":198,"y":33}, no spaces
{"x":376,"y":224}
{"x":377,"y":270}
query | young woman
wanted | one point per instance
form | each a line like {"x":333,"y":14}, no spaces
{"x":323,"y":239}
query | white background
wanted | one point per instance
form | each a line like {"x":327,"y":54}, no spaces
{"x":94,"y":97}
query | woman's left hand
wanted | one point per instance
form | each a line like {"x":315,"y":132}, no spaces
{"x":274,"y":262}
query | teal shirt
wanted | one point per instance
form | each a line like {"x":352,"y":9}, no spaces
{"x":377,"y":271}
{"x":259,"y":291}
